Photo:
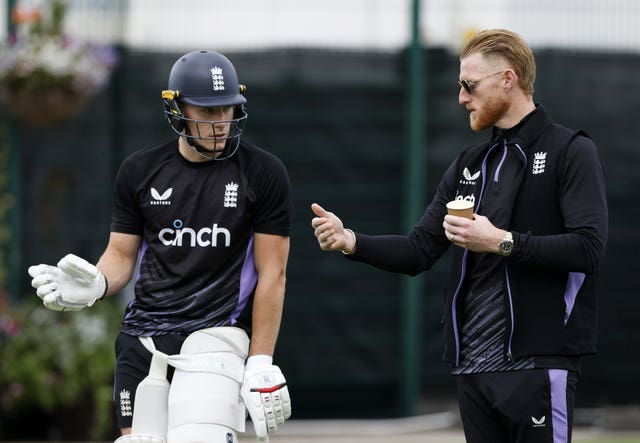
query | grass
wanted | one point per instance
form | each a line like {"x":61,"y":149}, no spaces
{"x":611,"y":440}
{"x":608,"y":439}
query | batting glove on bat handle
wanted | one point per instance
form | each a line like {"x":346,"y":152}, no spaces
{"x":265,"y":395}
{"x":72,"y":285}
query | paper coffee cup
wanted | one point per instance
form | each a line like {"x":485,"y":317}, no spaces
{"x":460,"y":208}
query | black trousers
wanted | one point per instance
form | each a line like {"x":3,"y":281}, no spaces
{"x":526,"y":406}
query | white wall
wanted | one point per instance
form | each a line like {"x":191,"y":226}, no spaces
{"x":383,"y":25}
{"x":590,"y":24}
{"x":256,"y":24}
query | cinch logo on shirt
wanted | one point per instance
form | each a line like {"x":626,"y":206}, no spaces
{"x":471,"y":198}
{"x":181,"y":236}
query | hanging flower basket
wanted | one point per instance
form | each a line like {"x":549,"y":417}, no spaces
{"x":46,"y":108}
{"x":46,"y":76}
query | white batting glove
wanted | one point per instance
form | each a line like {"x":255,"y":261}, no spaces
{"x":72,"y":285}
{"x":265,"y":395}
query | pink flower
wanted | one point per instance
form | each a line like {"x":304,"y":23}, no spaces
{"x":9,"y":326}
{"x":15,"y":390}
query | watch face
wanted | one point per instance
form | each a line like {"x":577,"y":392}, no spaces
{"x":506,"y":246}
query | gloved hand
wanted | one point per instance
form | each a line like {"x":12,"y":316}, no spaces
{"x":265,"y":395}
{"x":72,"y":285}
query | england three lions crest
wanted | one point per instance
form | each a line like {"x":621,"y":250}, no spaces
{"x":539,"y":162}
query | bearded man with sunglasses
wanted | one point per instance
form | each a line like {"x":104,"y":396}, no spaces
{"x":520,"y":305}
{"x":205,"y":217}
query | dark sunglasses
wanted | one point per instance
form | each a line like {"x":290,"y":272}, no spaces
{"x":468,"y":85}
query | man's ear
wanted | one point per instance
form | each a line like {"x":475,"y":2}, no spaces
{"x":510,"y":79}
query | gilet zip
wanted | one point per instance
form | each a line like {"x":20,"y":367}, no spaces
{"x":454,"y":307}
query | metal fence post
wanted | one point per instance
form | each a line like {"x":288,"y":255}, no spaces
{"x":414,"y":195}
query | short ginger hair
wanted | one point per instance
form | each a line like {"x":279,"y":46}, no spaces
{"x":508,"y":46}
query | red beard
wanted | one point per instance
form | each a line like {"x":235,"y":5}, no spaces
{"x":489,"y":114}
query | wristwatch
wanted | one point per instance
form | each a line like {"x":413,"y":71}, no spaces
{"x":506,"y":245}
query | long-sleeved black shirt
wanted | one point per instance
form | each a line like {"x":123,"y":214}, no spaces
{"x":557,"y":213}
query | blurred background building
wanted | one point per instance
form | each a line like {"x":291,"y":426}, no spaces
{"x":359,"y":99}
{"x":363,"y":25}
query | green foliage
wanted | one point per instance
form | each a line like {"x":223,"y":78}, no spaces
{"x":53,"y":361}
